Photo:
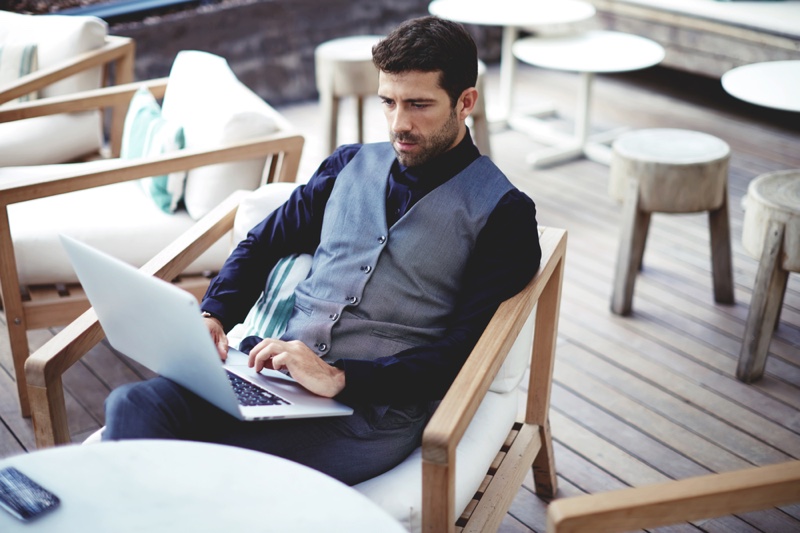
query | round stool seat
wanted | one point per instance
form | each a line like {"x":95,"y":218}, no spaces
{"x":771,"y":234}
{"x":679,"y":171}
{"x":345,"y":65}
{"x":669,"y":171}
{"x":774,"y":197}
{"x":344,"y":68}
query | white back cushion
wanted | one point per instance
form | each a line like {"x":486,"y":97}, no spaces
{"x":58,"y":37}
{"x":214,"y":108}
{"x":41,"y":140}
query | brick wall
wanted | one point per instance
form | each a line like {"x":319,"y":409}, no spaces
{"x":270,"y":43}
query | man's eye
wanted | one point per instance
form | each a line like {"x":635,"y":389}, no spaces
{"x":419,"y":106}
{"x":388,"y":103}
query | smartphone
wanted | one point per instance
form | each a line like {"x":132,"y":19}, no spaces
{"x":23,"y":497}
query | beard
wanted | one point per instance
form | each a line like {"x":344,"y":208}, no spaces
{"x":427,"y":147}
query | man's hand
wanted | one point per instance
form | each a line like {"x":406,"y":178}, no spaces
{"x":218,"y":336}
{"x":303,"y":364}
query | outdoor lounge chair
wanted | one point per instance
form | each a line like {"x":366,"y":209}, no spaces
{"x":233,"y":140}
{"x":475,"y":451}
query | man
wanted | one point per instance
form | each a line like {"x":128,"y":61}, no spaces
{"x":415,"y":243}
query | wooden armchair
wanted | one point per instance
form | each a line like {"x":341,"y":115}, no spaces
{"x":527,"y":445}
{"x":39,"y":305}
{"x":663,"y":504}
{"x":77,"y":56}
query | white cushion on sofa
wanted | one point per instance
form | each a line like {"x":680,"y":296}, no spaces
{"x":214,"y":108}
{"x":41,"y":141}
{"x":399,"y":491}
{"x":257,"y":205}
{"x":57,"y":37}
{"x":51,"y":144}
{"x":117,"y":219}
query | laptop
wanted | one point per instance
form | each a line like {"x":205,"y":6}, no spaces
{"x":159,"y":326}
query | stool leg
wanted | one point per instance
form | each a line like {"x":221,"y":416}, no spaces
{"x":360,"y":118}
{"x":768,"y":291}
{"x":635,"y":224}
{"x":719,"y":227}
{"x":481,"y":132}
{"x":330,"y":114}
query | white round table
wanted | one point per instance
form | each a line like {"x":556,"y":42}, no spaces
{"x":512,"y":15}
{"x":773,"y":84}
{"x":587,"y":53}
{"x":169,"y":486}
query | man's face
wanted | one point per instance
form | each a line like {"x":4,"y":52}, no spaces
{"x":422,"y":123}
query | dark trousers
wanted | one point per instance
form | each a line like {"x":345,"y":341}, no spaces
{"x":350,"y":448}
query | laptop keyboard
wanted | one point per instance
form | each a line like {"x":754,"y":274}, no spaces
{"x":250,"y":395}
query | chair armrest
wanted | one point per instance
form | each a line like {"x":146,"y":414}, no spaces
{"x":45,"y":366}
{"x":116,"y":95}
{"x":30,"y":188}
{"x":114,"y":49}
{"x":454,"y":414}
{"x":672,"y":502}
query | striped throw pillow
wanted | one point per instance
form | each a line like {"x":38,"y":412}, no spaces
{"x":17,"y":60}
{"x":269,"y":316}
{"x":146,"y":133}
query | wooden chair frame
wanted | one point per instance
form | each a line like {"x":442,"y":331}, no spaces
{"x":662,"y":504}
{"x":117,"y":51}
{"x":529,"y":443}
{"x":48,"y":308}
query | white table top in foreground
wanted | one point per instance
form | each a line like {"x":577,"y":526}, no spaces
{"x":517,"y":13}
{"x":169,"y":486}
{"x":591,"y":51}
{"x":773,"y":84}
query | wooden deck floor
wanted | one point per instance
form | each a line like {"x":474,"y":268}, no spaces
{"x":636,"y":400}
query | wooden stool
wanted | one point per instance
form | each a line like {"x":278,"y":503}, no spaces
{"x":669,"y":171}
{"x":771,"y":234}
{"x":480,"y":125}
{"x":344,"y":68}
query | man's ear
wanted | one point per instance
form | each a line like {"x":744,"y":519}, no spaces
{"x":467,"y":100}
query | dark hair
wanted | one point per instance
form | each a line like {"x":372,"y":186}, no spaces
{"x":431,"y":44}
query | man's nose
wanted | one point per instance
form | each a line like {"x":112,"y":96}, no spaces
{"x":400,"y":121}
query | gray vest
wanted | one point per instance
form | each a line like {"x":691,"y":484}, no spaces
{"x":374,"y":291}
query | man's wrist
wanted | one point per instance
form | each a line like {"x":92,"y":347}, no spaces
{"x":206,"y":314}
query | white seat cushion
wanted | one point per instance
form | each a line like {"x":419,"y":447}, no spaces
{"x":41,"y":140}
{"x":118,"y":219}
{"x":399,"y":491}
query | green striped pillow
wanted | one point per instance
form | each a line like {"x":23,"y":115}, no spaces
{"x":269,"y":316}
{"x":146,"y":133}
{"x":17,"y":60}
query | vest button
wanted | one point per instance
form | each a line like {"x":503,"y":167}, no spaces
{"x":352,"y":299}
{"x":322,"y":347}
{"x":366,"y":269}
{"x":334,"y":317}
{"x":382,"y":239}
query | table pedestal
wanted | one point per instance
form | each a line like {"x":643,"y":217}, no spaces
{"x":512,"y":15}
{"x":586,"y":53}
